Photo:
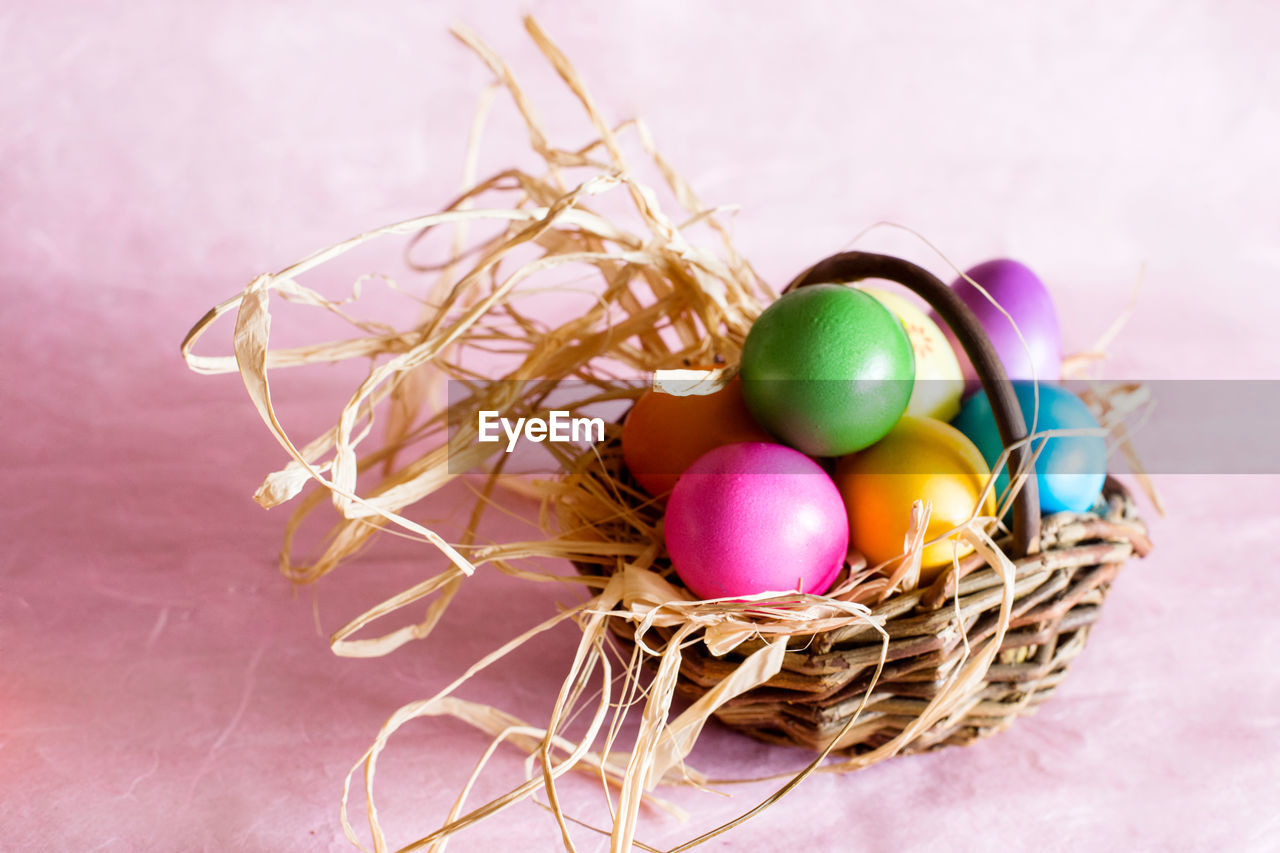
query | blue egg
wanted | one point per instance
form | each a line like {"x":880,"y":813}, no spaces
{"x":1070,"y":469}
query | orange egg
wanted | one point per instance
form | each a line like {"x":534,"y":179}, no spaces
{"x":920,"y":459}
{"x":665,"y":434}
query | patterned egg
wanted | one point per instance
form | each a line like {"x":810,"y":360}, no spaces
{"x":1020,"y":292}
{"x":939,"y":383}
{"x":827,"y":369}
{"x":756,"y":517}
{"x":664,"y":434}
{"x":1070,"y":470}
{"x":920,"y":459}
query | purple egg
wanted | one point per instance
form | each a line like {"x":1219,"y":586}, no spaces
{"x":1020,"y":292}
{"x":756,"y":517}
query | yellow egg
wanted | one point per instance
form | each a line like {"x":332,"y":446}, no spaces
{"x":920,"y":459}
{"x":939,"y":381}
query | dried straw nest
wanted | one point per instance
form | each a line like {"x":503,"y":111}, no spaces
{"x":873,"y":668}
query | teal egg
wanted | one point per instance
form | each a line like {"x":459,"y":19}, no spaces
{"x":827,"y":369}
{"x":1070,"y":470}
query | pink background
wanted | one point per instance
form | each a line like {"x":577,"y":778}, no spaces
{"x":161,"y":685}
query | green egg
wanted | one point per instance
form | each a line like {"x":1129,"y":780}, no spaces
{"x":827,"y":369}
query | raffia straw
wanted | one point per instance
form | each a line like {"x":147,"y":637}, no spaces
{"x":662,"y":303}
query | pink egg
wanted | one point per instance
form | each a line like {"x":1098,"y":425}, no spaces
{"x":756,"y":517}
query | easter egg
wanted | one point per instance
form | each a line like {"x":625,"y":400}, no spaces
{"x":664,"y":434}
{"x":939,"y":383}
{"x":920,"y":459}
{"x":1020,"y":292}
{"x":827,"y":369}
{"x":1070,"y":470}
{"x":756,"y":517}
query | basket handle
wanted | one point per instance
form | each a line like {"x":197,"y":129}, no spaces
{"x":856,"y":266}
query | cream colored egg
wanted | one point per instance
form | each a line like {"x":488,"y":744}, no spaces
{"x":939,"y":382}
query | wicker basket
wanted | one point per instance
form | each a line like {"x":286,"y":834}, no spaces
{"x":1064,"y":567}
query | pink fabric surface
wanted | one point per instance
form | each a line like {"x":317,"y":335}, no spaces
{"x":161,"y":685}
